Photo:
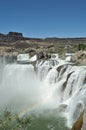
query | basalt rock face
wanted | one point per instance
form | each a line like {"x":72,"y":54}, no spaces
{"x":15,"y":34}
{"x":10,"y":37}
{"x":79,"y":123}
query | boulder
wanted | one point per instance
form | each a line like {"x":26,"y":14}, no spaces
{"x":79,"y":57}
{"x":40,"y":55}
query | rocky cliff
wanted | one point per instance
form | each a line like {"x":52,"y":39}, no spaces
{"x":10,"y":37}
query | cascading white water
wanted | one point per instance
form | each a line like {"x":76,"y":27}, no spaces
{"x":53,"y":84}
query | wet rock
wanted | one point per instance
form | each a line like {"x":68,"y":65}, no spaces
{"x":62,"y":107}
{"x":59,"y":68}
{"x":40,"y":55}
{"x":84,"y":81}
{"x":78,"y":124}
{"x":84,"y":121}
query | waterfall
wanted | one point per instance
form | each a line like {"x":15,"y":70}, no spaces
{"x":51,"y":84}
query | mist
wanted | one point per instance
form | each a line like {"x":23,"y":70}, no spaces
{"x":21,"y":89}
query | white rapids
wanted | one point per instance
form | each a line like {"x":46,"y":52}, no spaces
{"x":51,"y":84}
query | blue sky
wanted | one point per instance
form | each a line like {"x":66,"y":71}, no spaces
{"x":44,"y":18}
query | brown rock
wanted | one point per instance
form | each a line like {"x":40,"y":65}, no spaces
{"x":78,"y":124}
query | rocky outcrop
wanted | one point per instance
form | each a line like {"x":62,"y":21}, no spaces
{"x":15,"y":34}
{"x":79,"y":57}
{"x":43,"y":55}
{"x":10,"y":38}
{"x":79,"y":123}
